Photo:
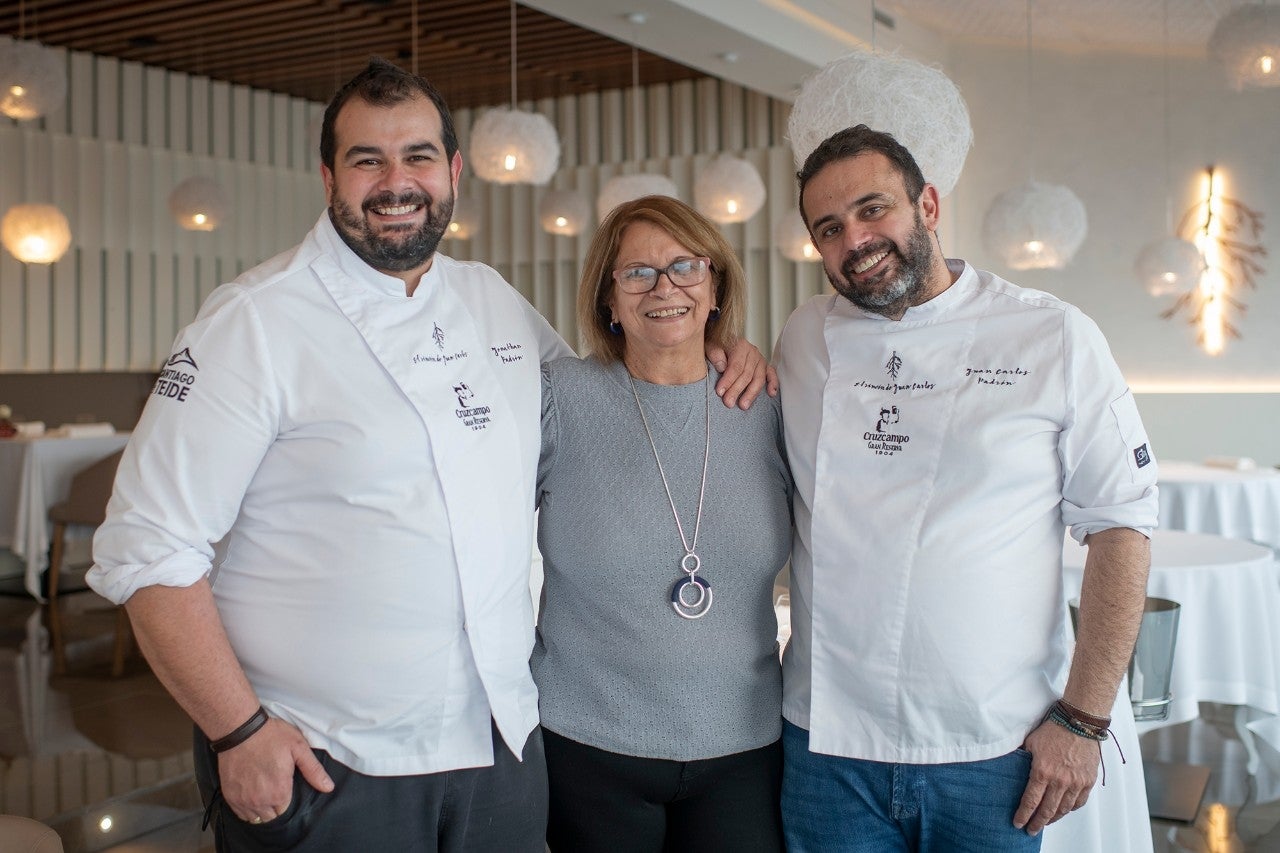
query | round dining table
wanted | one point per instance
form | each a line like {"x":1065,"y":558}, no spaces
{"x":1241,"y":504}
{"x":1228,"y":642}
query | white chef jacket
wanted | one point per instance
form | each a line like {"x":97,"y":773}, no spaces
{"x":936,"y":460}
{"x":370,"y":459}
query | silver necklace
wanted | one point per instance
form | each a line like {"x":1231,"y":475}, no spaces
{"x":698,"y":601}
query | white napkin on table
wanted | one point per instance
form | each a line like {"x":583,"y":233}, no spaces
{"x":86,"y":430}
{"x":1234,"y":463}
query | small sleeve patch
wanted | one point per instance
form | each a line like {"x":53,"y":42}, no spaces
{"x":1142,"y":456}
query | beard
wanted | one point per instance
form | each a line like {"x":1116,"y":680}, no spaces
{"x":896,"y":288}
{"x":394,"y":248}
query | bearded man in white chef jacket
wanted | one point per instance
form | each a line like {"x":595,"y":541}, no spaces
{"x":356,"y":422}
{"x":944,"y":427}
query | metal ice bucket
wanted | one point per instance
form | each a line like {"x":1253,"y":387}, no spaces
{"x":1151,"y":667}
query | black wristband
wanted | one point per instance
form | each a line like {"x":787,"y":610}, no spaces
{"x":242,"y":733}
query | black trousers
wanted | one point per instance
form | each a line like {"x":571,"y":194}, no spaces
{"x":611,"y":803}
{"x":480,"y":809}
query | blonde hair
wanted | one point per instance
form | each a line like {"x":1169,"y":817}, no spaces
{"x":688,"y":228}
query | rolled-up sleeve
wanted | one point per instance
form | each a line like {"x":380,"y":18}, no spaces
{"x":208,"y":422}
{"x":1109,"y":470}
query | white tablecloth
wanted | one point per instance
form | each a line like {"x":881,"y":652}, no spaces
{"x":35,"y":474}
{"x":1228,"y":645}
{"x":1239,"y":504}
{"x":1116,"y":819}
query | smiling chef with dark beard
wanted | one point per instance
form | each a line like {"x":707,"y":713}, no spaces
{"x":944,"y":427}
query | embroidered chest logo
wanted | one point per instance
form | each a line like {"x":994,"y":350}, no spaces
{"x":996,"y":375}
{"x":886,"y":440}
{"x":471,"y":415}
{"x":176,"y":381}
{"x":892,"y":368}
{"x":508,"y":353}
{"x":893,"y":365}
{"x":437,"y":335}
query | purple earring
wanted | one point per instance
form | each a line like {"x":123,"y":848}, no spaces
{"x":615,"y":327}
{"x":713,"y":314}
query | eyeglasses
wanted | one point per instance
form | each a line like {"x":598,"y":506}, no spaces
{"x":686,"y":272}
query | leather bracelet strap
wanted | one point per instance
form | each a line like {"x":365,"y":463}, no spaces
{"x":1076,"y":727}
{"x":242,"y":733}
{"x":1076,"y":713}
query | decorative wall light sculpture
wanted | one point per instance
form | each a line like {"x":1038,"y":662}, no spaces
{"x":1229,"y":237}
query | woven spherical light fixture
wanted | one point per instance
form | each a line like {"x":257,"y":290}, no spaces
{"x":33,"y":80}
{"x":514,"y":147}
{"x":1035,"y":226}
{"x":466,"y":219}
{"x":728,"y":189}
{"x":919,"y":105}
{"x":198,"y":204}
{"x":1169,"y":265}
{"x":1246,"y":43}
{"x":35,"y":233}
{"x":792,"y":238}
{"x":628,"y":187}
{"x":564,"y":212}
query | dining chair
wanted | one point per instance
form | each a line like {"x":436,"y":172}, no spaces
{"x":85,"y":505}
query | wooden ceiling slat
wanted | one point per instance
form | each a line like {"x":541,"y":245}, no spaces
{"x":301,"y":47}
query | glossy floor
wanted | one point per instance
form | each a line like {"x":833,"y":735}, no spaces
{"x":106,"y":761}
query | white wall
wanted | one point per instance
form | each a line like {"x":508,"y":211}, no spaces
{"x":1099,"y":128}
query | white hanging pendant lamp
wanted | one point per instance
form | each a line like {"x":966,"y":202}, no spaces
{"x":33,"y":79}
{"x":1169,"y":264}
{"x":511,"y":146}
{"x":35,"y":233}
{"x":624,"y":188}
{"x":792,"y":238}
{"x":1035,"y":225}
{"x":729,"y":189}
{"x":918,"y":105}
{"x":1246,"y":43}
{"x":465,"y":221}
{"x":198,"y":204}
{"x":564,"y":212}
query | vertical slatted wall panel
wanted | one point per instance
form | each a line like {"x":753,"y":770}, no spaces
{"x":128,"y":133}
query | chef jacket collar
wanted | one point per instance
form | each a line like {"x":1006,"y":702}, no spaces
{"x":355,"y":268}
{"x":966,"y":281}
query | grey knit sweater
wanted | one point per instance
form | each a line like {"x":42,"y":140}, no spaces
{"x":616,"y":667}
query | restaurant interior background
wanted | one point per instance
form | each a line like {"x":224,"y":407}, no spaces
{"x":129,"y":132}
{"x":1103,"y":102}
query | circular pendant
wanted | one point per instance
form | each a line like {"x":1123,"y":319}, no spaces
{"x":697,"y":602}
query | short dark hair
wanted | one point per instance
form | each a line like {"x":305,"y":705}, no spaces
{"x":856,"y":140}
{"x":383,"y":84}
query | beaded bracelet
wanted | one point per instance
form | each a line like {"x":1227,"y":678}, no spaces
{"x":1084,"y":725}
{"x":242,"y":733}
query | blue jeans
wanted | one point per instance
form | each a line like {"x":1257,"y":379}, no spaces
{"x":846,"y":805}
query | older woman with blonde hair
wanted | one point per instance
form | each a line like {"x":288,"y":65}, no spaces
{"x":664,"y":520}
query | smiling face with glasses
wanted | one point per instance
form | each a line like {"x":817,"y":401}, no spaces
{"x":662,"y":297}
{"x":683,"y":272}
